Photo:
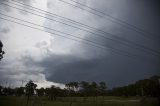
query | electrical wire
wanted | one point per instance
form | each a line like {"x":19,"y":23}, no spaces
{"x":139,"y":47}
{"x":114,"y":50}
{"x":112,"y":19}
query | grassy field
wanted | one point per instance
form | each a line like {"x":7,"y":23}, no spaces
{"x":78,"y":101}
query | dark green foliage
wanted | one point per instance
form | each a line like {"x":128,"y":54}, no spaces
{"x":143,"y":88}
{"x":40,"y":92}
{"x":1,"y":51}
{"x":30,"y":88}
{"x":8,"y":91}
{"x":147,"y":87}
{"x":20,"y":91}
{"x":54,"y":92}
{"x":1,"y":88}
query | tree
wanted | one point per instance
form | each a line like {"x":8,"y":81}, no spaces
{"x":47,"y":92}
{"x":30,"y":88}
{"x":76,"y":86}
{"x":1,"y":88}
{"x":148,"y":87}
{"x":102,"y":88}
{"x":71,"y":86}
{"x":19,"y":91}
{"x":84,"y":88}
{"x":53,"y":92}
{"x":8,"y":91}
{"x":1,"y":51}
{"x":40,"y":91}
{"x":93,"y":88}
{"x":1,"y":45}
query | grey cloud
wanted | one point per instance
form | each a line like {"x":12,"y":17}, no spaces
{"x":9,"y":9}
{"x":143,"y":14}
{"x":13,"y":72}
{"x":5,"y":8}
{"x":4,"y":30}
{"x":3,"y":27}
{"x":28,"y":2}
{"x":65,"y":68}
{"x":95,"y":64}
{"x":114,"y":69}
{"x":41,"y":44}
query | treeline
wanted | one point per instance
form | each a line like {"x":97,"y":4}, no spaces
{"x":72,"y":89}
{"x":147,"y":87}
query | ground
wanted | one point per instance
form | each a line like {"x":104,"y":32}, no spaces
{"x":78,"y":101}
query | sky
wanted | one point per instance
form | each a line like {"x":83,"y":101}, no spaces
{"x":49,"y":59}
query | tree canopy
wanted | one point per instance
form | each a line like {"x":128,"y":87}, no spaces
{"x":1,"y":51}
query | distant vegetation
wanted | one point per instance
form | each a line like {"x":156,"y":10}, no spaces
{"x":147,"y":87}
{"x":142,"y":91}
{"x":1,"y":51}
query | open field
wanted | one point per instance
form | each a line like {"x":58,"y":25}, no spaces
{"x":77,"y":101}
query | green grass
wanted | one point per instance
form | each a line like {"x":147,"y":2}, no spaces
{"x":77,"y":101}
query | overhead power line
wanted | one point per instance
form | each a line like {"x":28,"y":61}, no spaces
{"x":83,"y":25}
{"x":120,"y":20}
{"x":90,"y":27}
{"x":88,"y":42}
{"x":102,"y":13}
{"x":121,"y":41}
{"x":112,"y":19}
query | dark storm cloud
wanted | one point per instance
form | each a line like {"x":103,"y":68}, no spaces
{"x":12,"y":72}
{"x":65,"y":68}
{"x":114,"y":69}
{"x":141,"y":13}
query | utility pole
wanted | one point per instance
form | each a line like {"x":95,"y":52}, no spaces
{"x":6,"y":84}
{"x":142,"y":93}
{"x":22,"y":83}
